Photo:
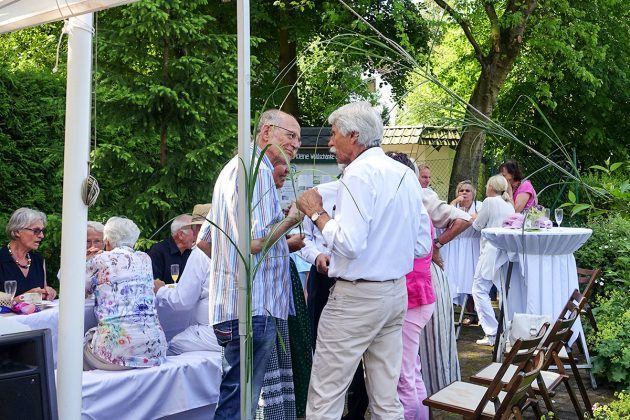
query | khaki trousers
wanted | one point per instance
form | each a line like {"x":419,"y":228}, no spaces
{"x":360,"y":319}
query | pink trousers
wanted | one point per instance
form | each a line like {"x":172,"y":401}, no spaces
{"x":411,"y":389}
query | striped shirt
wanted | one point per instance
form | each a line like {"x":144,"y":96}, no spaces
{"x":271,"y":291}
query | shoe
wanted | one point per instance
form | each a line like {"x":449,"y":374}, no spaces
{"x":468,"y":321}
{"x":488,"y":340}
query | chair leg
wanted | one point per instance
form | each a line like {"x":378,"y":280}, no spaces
{"x":536,"y":408}
{"x":579,"y":382}
{"x":574,"y":400}
{"x":545,"y":396}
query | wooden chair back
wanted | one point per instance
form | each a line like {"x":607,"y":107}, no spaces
{"x":588,"y":278}
{"x":560,"y":333}
{"x":521,"y":355}
{"x":516,"y":391}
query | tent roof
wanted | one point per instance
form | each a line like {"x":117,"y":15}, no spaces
{"x":18,"y":14}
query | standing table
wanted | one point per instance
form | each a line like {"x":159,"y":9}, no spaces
{"x":541,"y":271}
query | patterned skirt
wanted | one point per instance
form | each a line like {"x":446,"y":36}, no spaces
{"x":438,"y":346}
{"x":277,"y":398}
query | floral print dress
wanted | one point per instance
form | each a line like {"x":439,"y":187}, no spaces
{"x":128,"y":331}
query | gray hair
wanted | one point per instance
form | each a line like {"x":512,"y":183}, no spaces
{"x":271,"y":117}
{"x":179,"y":222}
{"x":23,"y":218}
{"x":361,"y":118}
{"x":95,"y":226}
{"x":120,"y":231}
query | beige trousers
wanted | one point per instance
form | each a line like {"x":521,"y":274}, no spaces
{"x":360,"y":319}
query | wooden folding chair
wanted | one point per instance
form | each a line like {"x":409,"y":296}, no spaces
{"x":497,"y":401}
{"x":588,"y":278}
{"x":546,"y":382}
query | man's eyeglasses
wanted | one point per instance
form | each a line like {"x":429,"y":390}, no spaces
{"x":95,"y":243}
{"x":290,"y":134}
{"x":37,"y":231}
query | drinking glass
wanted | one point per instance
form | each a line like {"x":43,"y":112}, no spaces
{"x":559,"y":216}
{"x":10,"y":286}
{"x":175,"y":272}
{"x":547,"y":213}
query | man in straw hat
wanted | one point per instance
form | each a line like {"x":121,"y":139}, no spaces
{"x":191,"y":295}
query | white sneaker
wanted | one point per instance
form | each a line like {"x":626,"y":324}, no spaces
{"x":488,"y":340}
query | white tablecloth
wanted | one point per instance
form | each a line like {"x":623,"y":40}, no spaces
{"x":185,"y":383}
{"x":172,"y":322}
{"x":544,"y":273}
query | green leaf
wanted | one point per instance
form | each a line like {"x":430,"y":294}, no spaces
{"x":572,"y":197}
{"x":580,"y":207}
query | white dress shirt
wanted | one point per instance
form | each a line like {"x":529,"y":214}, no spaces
{"x":314,"y":243}
{"x":192,"y":288}
{"x":441,"y":213}
{"x":380,"y":223}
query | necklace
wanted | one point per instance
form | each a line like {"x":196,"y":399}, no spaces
{"x":28,"y":259}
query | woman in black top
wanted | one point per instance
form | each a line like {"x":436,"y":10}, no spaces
{"x":18,"y":261}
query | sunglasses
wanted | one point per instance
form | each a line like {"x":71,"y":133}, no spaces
{"x":36,"y":231}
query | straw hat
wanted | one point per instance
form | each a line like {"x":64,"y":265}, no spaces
{"x":199,"y":213}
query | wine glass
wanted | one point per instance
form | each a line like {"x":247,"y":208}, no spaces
{"x":175,"y":272}
{"x":10,"y":286}
{"x":559,"y":215}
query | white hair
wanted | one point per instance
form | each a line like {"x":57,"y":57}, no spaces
{"x":361,"y":118}
{"x":23,"y":218}
{"x":120,"y":231}
{"x":179,"y":222}
{"x":95,"y":226}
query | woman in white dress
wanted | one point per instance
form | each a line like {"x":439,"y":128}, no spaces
{"x":462,"y":253}
{"x":496,"y":207}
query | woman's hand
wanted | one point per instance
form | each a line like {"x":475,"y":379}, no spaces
{"x":92,"y":252}
{"x":49,"y":293}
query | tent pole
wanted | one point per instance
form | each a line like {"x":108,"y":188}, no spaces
{"x":74,"y":218}
{"x":244,"y":232}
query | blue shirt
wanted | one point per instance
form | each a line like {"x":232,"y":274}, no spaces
{"x":271,"y":290}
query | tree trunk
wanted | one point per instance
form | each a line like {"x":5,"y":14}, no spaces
{"x":288,"y":54}
{"x":496,"y":64}
{"x":470,"y":147}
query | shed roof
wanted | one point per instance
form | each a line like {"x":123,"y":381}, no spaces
{"x":420,"y":134}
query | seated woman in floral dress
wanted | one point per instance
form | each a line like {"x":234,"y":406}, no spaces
{"x":128,"y":334}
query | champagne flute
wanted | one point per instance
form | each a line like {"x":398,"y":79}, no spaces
{"x":559,"y":215}
{"x":10,"y":286}
{"x":175,"y":272}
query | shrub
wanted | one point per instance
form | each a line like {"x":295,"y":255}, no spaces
{"x":612,"y":341}
{"x":616,"y":410}
{"x":608,"y":248}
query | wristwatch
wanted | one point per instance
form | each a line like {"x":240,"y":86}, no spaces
{"x":316,"y":215}
{"x":437,"y":243}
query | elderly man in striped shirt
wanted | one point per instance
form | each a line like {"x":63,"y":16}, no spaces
{"x":271,"y":292}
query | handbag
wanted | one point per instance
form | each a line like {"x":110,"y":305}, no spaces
{"x":525,"y":326}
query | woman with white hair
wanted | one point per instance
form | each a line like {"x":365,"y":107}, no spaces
{"x":19,"y":261}
{"x":462,"y":253}
{"x":94,"y":243}
{"x":128,"y":334}
{"x":495,"y":208}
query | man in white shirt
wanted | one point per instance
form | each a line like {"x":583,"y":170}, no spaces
{"x":316,"y":252}
{"x":380,"y":225}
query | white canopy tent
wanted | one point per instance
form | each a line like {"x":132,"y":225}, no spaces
{"x":18,"y":14}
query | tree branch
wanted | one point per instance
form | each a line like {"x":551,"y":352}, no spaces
{"x":495,"y":31}
{"x":465,"y":27}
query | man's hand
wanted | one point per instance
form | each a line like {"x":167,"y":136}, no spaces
{"x":310,"y":201}
{"x":437,"y":258}
{"x":322,"y":262}
{"x":296,"y":215}
{"x":157,"y":284}
{"x":49,"y":293}
{"x":295,"y":242}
